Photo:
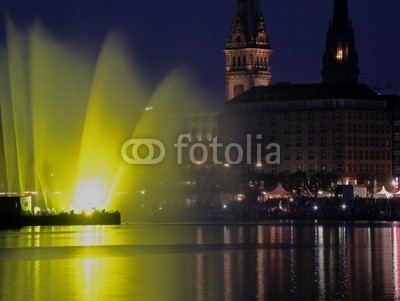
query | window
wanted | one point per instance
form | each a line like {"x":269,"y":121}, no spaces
{"x":349,"y":128}
{"x":299,"y":155}
{"x":273,"y":136}
{"x":286,"y":117}
{"x":311,"y":168}
{"x":273,"y":120}
{"x":323,"y":154}
{"x":349,"y":155}
{"x":339,"y":53}
{"x":311,"y":155}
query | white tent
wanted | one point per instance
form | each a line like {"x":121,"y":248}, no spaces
{"x":278,"y":192}
{"x":383,"y":194}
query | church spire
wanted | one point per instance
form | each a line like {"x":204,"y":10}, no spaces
{"x":248,"y":50}
{"x":340,"y":61}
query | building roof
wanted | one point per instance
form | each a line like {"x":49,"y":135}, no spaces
{"x":249,"y":21}
{"x":292,"y":92}
{"x":340,"y":60}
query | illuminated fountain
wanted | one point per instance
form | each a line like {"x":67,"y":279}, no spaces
{"x":65,"y":116}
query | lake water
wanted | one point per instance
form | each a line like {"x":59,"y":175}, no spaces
{"x":275,"y":261}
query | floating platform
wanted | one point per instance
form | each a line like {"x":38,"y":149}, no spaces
{"x":15,"y":212}
{"x":62,"y":219}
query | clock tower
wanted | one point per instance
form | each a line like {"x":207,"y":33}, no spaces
{"x":248,"y":50}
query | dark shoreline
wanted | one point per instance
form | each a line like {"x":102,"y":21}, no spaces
{"x":64,"y":219}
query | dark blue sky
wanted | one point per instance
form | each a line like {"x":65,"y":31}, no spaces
{"x":164,"y":35}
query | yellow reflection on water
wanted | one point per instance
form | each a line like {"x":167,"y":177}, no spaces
{"x":90,"y":284}
{"x":148,"y":262}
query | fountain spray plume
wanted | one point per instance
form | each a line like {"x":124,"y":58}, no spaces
{"x":147,"y":189}
{"x":115,"y":105}
{"x":65,"y":115}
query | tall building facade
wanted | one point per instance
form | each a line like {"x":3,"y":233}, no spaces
{"x":248,"y":50}
{"x":342,"y":129}
{"x":396,"y":138}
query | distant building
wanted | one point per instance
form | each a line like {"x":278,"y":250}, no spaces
{"x":394,"y":102}
{"x":202,"y":127}
{"x":338,"y":126}
{"x":321,"y":128}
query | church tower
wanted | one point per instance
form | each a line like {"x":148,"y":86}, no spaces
{"x":340,"y":61}
{"x":248,"y":50}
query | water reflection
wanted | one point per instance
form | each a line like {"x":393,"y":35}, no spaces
{"x":290,"y":260}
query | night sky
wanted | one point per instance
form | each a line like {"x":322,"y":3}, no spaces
{"x":163,"y":35}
